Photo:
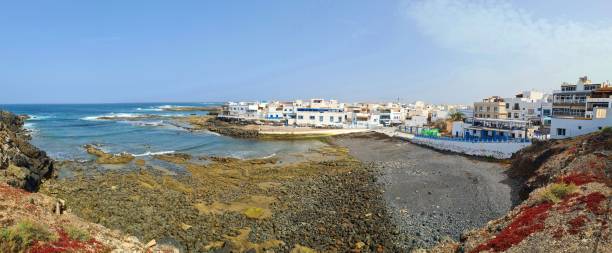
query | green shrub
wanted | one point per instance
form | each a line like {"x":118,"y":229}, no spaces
{"x":557,"y":191}
{"x":76,"y":234}
{"x":20,"y":236}
{"x":607,"y":130}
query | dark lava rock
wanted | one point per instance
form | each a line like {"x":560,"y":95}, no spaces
{"x":22,"y":165}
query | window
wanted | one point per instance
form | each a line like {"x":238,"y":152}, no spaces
{"x":321,"y":118}
{"x":311,"y":117}
{"x":300,"y":117}
{"x":516,"y":106}
{"x":339,"y":119}
{"x":507,"y":105}
{"x":516,"y":115}
{"x":331,"y":118}
{"x":600,"y":113}
{"x":561,"y":131}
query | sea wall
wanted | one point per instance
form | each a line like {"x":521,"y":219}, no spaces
{"x":499,"y":150}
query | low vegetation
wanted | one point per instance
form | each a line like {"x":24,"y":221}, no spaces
{"x":555,"y":192}
{"x":19,"y":237}
{"x":76,"y":234}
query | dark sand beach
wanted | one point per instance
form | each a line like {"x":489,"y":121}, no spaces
{"x":432,"y":195}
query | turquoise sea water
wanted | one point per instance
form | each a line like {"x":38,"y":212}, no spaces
{"x":62,"y":130}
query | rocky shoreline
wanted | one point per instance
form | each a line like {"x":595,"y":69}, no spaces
{"x":22,"y":165}
{"x":325,"y":200}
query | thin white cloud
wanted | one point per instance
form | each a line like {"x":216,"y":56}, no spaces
{"x":511,"y":46}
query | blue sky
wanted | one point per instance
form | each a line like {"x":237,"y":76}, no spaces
{"x":440,"y":51}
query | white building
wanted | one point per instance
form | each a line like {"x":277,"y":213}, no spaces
{"x":528,"y":105}
{"x":581,"y":108}
{"x":321,"y":113}
{"x":245,"y":110}
{"x":439,"y":114}
{"x":416,"y":121}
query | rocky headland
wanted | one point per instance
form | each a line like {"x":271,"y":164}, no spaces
{"x":565,"y":190}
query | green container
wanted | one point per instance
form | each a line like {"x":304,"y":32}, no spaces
{"x":431,"y":132}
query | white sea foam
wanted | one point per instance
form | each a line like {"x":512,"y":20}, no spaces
{"x":30,"y":128}
{"x":113,"y":115}
{"x":269,"y":156}
{"x":39,"y":117}
{"x":155,"y":109}
{"x":149,"y":153}
{"x":144,"y":123}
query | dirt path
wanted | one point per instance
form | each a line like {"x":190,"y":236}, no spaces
{"x":432,"y":195}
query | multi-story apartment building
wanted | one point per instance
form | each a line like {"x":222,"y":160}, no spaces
{"x":363,"y":115}
{"x":528,"y":105}
{"x":491,"y":108}
{"x":392,"y":114}
{"x":581,"y":108}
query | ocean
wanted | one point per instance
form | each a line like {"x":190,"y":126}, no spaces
{"x":63,"y":129}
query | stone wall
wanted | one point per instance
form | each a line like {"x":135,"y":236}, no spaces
{"x":499,"y":150}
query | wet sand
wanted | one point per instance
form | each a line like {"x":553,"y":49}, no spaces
{"x":433,"y":195}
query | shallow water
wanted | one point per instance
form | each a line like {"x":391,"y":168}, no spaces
{"x":62,"y":130}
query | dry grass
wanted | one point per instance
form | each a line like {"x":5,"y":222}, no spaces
{"x":554,"y":193}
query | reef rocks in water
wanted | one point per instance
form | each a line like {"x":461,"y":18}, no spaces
{"x":216,"y":125}
{"x":22,"y":165}
{"x":106,"y":158}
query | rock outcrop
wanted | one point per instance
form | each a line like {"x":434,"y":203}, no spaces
{"x":22,"y":165}
{"x":106,"y":158}
{"x":232,"y":128}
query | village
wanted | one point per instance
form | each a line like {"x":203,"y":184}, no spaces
{"x":575,"y":109}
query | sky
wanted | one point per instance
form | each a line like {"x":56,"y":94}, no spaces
{"x":438,"y":51}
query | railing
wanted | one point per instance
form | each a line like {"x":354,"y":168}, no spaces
{"x":476,"y":139}
{"x":569,"y":101}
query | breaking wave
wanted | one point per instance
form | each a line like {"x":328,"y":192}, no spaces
{"x":154,"y":153}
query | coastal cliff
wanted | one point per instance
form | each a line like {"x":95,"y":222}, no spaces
{"x":565,"y":187}
{"x":21,"y":164}
{"x":35,"y":222}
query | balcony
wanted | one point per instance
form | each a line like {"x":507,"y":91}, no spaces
{"x":599,"y":100}
{"x":569,"y":101}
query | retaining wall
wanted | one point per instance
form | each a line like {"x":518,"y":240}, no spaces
{"x":499,"y":150}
